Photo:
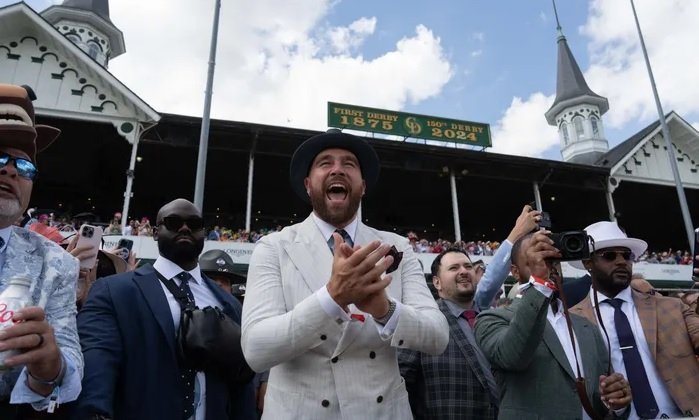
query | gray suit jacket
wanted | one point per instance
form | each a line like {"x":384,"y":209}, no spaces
{"x":322,"y":369}
{"x":535,"y":378}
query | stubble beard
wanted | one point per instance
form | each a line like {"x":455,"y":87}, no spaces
{"x":10,"y":210}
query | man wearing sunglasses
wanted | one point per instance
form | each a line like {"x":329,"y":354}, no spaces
{"x":46,"y":370}
{"x":654,"y":339}
{"x":326,"y":306}
{"x":128,"y":328}
{"x":534,"y":359}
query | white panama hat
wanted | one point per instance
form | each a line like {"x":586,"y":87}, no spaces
{"x":610,"y":235}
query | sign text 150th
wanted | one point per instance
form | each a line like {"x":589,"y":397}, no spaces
{"x":407,"y":125}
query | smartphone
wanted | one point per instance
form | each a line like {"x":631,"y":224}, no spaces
{"x":545,"y":222}
{"x":89,"y":236}
{"x":124,"y":248}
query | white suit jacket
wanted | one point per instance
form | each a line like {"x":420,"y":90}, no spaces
{"x":322,"y":369}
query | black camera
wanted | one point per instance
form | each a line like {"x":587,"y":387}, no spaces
{"x":573,"y":245}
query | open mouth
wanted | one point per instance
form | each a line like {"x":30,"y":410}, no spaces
{"x":11,"y":114}
{"x":337,"y":192}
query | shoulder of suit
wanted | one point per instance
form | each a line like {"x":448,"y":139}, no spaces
{"x":42,"y":244}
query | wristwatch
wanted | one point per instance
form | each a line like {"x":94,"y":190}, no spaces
{"x":391,"y":309}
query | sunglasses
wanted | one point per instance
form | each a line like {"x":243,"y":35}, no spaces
{"x":25,"y":168}
{"x":175,"y":223}
{"x":612,"y":255}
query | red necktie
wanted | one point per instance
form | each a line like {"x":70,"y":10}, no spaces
{"x":470,"y":316}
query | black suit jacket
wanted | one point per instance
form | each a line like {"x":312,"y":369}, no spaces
{"x":128,"y":342}
{"x":448,"y":386}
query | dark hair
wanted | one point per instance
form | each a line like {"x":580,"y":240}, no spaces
{"x":438,"y":259}
{"x":517,"y":246}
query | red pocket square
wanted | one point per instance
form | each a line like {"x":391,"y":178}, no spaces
{"x":358,"y":317}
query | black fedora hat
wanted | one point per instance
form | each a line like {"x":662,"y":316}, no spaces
{"x":332,"y":139}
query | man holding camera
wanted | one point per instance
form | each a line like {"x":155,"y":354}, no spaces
{"x":46,"y":368}
{"x":529,"y":345}
{"x":458,"y":383}
{"x":130,"y":331}
{"x":327,"y":306}
{"x":654,"y":339}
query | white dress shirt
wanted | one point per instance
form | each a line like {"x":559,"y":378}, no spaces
{"x":326,"y":301}
{"x":203,"y":297}
{"x":662,"y":397}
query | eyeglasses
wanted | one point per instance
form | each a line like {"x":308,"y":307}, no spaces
{"x":25,"y":168}
{"x":175,"y":223}
{"x":612,"y":255}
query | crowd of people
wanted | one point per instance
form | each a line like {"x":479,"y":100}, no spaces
{"x":334,"y":319}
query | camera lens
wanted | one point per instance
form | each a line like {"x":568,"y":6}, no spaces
{"x":573,"y":244}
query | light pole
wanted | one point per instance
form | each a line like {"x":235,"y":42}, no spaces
{"x":668,"y":141}
{"x":204,"y":137}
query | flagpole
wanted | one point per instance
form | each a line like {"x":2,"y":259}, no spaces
{"x":204,"y":137}
{"x":668,"y":141}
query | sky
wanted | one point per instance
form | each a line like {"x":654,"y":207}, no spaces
{"x":280,"y":61}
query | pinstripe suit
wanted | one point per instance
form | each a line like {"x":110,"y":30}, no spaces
{"x":322,"y":369}
{"x":672,"y":332}
{"x":451,"y":385}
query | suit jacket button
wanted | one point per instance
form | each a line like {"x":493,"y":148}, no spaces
{"x":379,"y":399}
{"x":400,"y":342}
{"x":334,"y":359}
{"x":372,"y":355}
{"x":325,"y":403}
{"x":323,"y":337}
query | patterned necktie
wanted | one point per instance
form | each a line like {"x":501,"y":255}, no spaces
{"x":188,"y":375}
{"x":345,"y":237}
{"x":470,"y":316}
{"x":643,"y":399}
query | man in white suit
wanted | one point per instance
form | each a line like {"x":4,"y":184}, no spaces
{"x":328,"y":323}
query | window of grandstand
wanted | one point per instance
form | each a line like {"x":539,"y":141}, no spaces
{"x":564,"y":132}
{"x":595,"y":127}
{"x":579,"y":129}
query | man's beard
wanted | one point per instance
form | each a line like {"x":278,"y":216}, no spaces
{"x":609,"y":282}
{"x":181,"y":252}
{"x":336,"y":216}
{"x":10,"y":210}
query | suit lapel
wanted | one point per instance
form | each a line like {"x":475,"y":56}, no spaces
{"x":553,"y":343}
{"x":147,"y":280}
{"x":463,"y":344}
{"x":585,"y":341}
{"x":647,"y":313}
{"x":310,"y":254}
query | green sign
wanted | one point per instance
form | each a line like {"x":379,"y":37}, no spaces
{"x":408,"y":125}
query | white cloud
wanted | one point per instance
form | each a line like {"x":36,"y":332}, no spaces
{"x":276,"y":63}
{"x":479,"y":36}
{"x":476,"y":53}
{"x":523,"y":130}
{"x":617,"y":71}
{"x":347,"y":39}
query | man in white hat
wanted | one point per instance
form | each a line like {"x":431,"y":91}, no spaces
{"x":654,"y":339}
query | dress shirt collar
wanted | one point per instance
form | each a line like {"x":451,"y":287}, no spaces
{"x":169,"y":269}
{"x":327,"y":229}
{"x":624,"y":295}
{"x":5,"y":235}
{"x":457,"y":310}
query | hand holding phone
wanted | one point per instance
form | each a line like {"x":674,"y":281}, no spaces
{"x":124,"y":248}
{"x":89,"y":239}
